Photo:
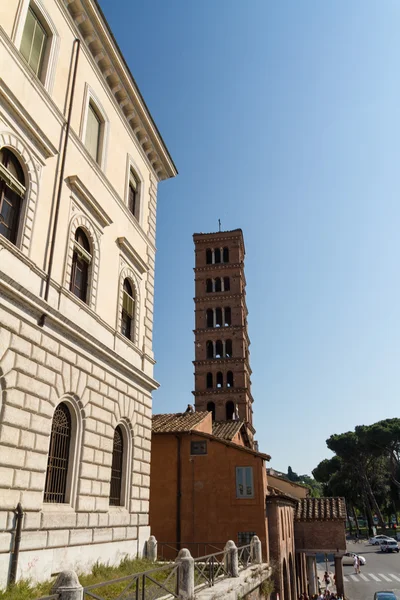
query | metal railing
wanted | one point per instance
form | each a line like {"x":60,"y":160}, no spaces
{"x":170,"y":550}
{"x":213,"y":567}
{"x":149,"y":585}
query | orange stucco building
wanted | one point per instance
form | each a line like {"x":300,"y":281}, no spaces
{"x":206,"y":486}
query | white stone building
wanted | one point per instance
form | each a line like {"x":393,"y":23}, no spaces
{"x":76,"y":299}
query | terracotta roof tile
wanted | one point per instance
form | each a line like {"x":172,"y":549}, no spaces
{"x":321,"y":509}
{"x":226,"y":430}
{"x":273,"y":491}
{"x":177,"y":421}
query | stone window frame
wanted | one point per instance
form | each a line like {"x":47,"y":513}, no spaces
{"x":127,"y":436}
{"x":53,"y":42}
{"x":77,"y":420}
{"x":90,"y":97}
{"x":128,"y":273}
{"x":10,"y":140}
{"x":131,"y":165}
{"x":81,"y":220}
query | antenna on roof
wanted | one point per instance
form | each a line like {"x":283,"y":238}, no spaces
{"x":219,"y":224}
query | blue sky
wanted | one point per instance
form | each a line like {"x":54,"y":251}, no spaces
{"x":283,"y":119}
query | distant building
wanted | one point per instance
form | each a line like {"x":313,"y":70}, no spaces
{"x":76,"y":290}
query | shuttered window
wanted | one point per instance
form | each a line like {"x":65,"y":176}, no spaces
{"x":57,"y":463}
{"x":116,"y":468}
{"x":12,"y":191}
{"x":93,"y":132}
{"x":33,"y":44}
{"x":134,"y":195}
{"x":128,"y":310}
{"x":244,"y":482}
{"x":81,"y":260}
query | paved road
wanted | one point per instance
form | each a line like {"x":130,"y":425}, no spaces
{"x":381,"y":572}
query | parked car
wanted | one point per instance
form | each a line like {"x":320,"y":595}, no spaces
{"x":378,"y":539}
{"x":348,"y":558}
{"x":389,"y":546}
{"x":384,"y":596}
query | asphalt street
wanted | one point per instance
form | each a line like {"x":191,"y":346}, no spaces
{"x":381,"y":572}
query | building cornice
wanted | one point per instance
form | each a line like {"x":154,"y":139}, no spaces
{"x":222,"y":392}
{"x":98,"y":38}
{"x":219,"y":267}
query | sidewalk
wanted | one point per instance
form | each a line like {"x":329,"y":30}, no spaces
{"x":321,"y":573}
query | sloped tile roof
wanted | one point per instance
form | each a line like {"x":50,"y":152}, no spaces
{"x":177,"y":421}
{"x":321,"y":509}
{"x":226,"y":430}
{"x":273,"y":491}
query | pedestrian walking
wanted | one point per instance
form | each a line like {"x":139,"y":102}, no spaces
{"x":355,"y":563}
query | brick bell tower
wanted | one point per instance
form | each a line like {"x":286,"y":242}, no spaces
{"x":221,"y":366}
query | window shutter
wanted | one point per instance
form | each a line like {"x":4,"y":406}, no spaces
{"x":33,"y":42}
{"x":128,"y":304}
{"x":92,"y":138}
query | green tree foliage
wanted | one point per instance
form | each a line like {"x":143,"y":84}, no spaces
{"x":365,"y":469}
{"x":314,"y":486}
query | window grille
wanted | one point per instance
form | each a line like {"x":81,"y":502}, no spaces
{"x":116,"y":468}
{"x":57,"y":464}
{"x":33,"y":44}
{"x":198,"y":448}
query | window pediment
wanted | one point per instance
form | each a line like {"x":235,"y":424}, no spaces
{"x":96,"y":210}
{"x":132,"y":255}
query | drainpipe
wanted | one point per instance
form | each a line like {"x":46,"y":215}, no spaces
{"x":77,"y":44}
{"x":19,"y":515}
{"x":178,"y":492}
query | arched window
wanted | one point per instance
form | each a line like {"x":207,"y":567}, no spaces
{"x":220,"y":379}
{"x":211,"y":408}
{"x":209,"y":256}
{"x":229,"y":379}
{"x":210,"y":317}
{"x":117,"y":468}
{"x":209,"y":286}
{"x":230,"y":410}
{"x":218,"y":349}
{"x":209,"y":379}
{"x":217,"y":255}
{"x":228,"y":348}
{"x":210,"y":349}
{"x":12,"y":192}
{"x":218,"y":284}
{"x":225,"y":255}
{"x":55,"y":488}
{"x":128,"y":310}
{"x":227,"y":284}
{"x":81,"y":260}
{"x":218,"y":317}
{"x":227,"y":314}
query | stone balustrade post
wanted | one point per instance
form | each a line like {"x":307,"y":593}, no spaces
{"x":151,"y":548}
{"x":256,"y":550}
{"x":67,"y":586}
{"x":231,"y":559}
{"x":185,"y":575}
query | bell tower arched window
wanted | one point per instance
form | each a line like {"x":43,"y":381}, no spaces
{"x":218,"y":284}
{"x":211,"y":408}
{"x":228,"y":317}
{"x":58,"y":460}
{"x":81,"y":260}
{"x":209,"y":256}
{"x":225,"y":255}
{"x":217,"y":255}
{"x":210,"y":349}
{"x":12,"y":192}
{"x":210,"y":317}
{"x":229,"y":379}
{"x":220,"y":379}
{"x":209,"y":380}
{"x":218,"y":349}
{"x":227,"y":284}
{"x":128,"y":310}
{"x":209,"y":286}
{"x":117,"y":468}
{"x":230,"y":409}
{"x":218,"y":317}
{"x":228,"y":348}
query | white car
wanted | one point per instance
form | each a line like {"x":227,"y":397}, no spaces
{"x":348,"y":558}
{"x":378,"y":539}
{"x":390,"y":546}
